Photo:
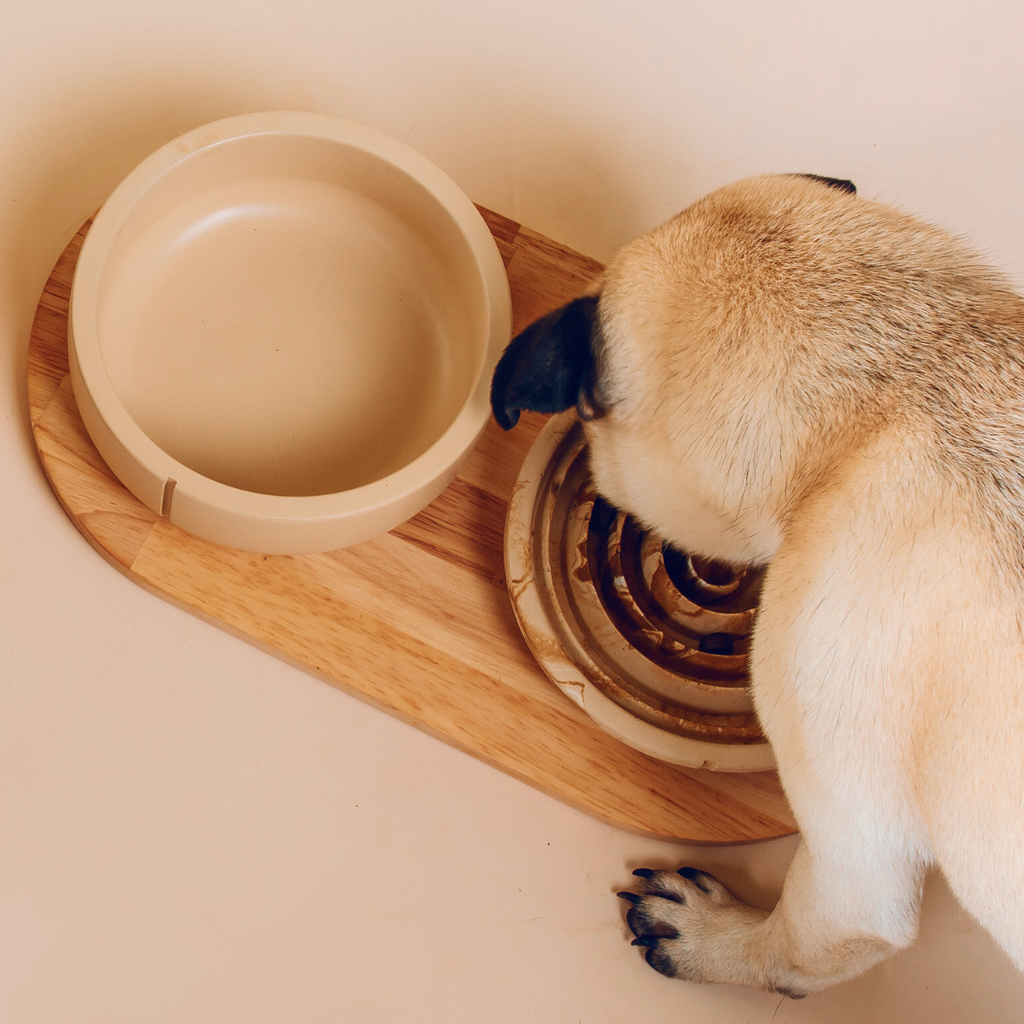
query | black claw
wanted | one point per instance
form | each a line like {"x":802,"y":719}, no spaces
{"x":644,"y":928}
{"x":695,"y":876}
{"x":646,"y":940}
{"x":630,"y":897}
{"x":644,"y":872}
{"x":660,"y":961}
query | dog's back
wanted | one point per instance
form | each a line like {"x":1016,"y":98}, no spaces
{"x":788,"y":374}
{"x":841,"y":389}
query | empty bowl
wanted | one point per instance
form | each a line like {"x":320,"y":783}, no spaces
{"x":282,"y":331}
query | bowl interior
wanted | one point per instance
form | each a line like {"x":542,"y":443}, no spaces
{"x":291,"y":315}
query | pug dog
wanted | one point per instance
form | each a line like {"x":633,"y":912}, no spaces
{"x":787,"y":374}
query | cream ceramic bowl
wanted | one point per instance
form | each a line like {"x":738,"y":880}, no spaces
{"x":282,"y":331}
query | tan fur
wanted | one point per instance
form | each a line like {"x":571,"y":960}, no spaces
{"x":799,"y":376}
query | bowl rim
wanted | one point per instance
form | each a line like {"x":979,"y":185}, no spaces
{"x":112,"y":426}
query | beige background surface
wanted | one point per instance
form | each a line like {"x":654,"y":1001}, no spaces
{"x":191,"y":831}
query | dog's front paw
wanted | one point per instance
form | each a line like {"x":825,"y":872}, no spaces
{"x":669,"y":916}
{"x":692,"y":927}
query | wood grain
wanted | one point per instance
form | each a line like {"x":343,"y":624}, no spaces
{"x":417,"y":622}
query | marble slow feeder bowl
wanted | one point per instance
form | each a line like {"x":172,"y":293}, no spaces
{"x":649,"y":641}
{"x":282,"y":331}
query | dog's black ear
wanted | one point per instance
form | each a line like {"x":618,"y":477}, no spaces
{"x":550,"y":366}
{"x":840,"y":183}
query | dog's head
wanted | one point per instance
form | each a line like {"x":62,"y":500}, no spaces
{"x":649,"y":361}
{"x":555,"y":363}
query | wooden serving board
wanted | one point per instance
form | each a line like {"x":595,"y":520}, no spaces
{"x":417,"y":622}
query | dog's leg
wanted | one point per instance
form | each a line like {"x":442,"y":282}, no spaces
{"x":852,"y":627}
{"x":850,"y":898}
{"x":694,"y":928}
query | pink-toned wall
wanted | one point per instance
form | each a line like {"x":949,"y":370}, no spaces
{"x":192,"y":831}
